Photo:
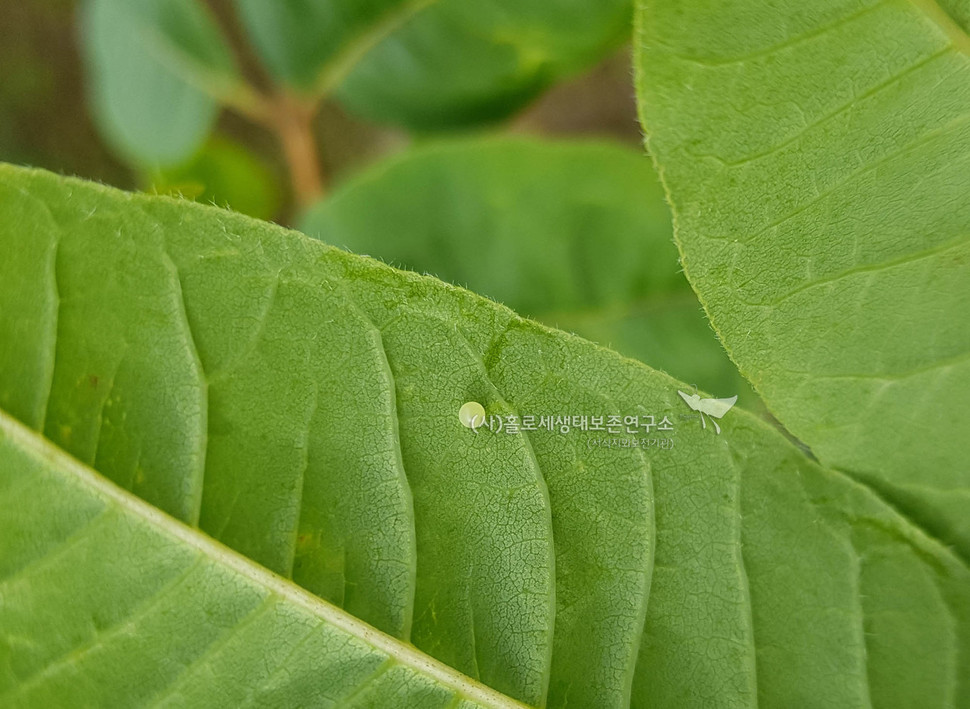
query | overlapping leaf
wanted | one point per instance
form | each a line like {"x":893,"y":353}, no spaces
{"x":299,"y":404}
{"x":817,"y":162}
{"x":576,"y":235}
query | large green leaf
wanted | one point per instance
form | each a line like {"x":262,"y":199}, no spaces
{"x":299,"y":404}
{"x":156,"y":69}
{"x":817,"y":162}
{"x":576,"y":235}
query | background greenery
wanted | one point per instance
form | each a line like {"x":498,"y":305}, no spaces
{"x":45,"y":119}
{"x":277,"y":113}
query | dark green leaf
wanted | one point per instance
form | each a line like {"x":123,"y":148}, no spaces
{"x":458,"y":63}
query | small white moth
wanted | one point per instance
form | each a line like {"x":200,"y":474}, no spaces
{"x":471,"y":415}
{"x":715,"y":408}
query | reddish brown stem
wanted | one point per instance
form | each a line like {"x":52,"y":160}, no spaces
{"x":292,"y":121}
{"x":286,"y":115}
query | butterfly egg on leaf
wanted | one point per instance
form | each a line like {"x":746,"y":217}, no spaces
{"x":471,"y":415}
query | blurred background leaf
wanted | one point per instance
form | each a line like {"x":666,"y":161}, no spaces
{"x":223,"y":173}
{"x":304,"y":42}
{"x":457,"y":63}
{"x":575,"y":234}
{"x":432,"y":64}
{"x":156,"y":70}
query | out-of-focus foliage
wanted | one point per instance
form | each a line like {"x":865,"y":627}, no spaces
{"x":574,"y":234}
{"x":157,"y":69}
{"x":432,"y":64}
{"x":460,"y":63}
{"x":160,"y":69}
{"x":158,"y":72}
{"x":223,"y":173}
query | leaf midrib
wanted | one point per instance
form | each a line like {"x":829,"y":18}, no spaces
{"x":942,"y":19}
{"x":403,"y":653}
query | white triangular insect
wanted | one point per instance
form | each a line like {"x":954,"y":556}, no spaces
{"x":715,"y":408}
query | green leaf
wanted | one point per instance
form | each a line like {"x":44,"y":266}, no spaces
{"x":576,"y":235}
{"x":431,"y":64}
{"x":311,"y":44}
{"x":299,"y":405}
{"x":458,"y":63}
{"x":156,"y":69}
{"x":197,"y":625}
{"x":817,"y":161}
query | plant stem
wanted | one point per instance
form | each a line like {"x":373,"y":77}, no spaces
{"x":261,"y":100}
{"x":292,"y":121}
